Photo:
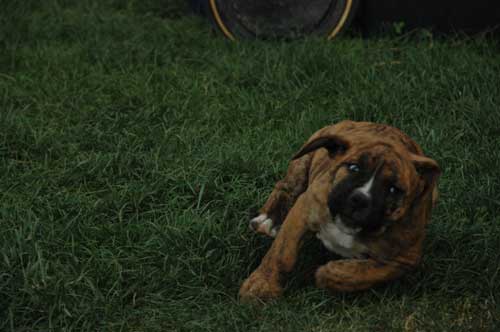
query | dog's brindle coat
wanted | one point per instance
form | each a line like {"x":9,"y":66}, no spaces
{"x":366,"y":190}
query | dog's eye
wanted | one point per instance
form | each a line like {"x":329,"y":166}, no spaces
{"x":393,"y":190}
{"x":353,"y":168}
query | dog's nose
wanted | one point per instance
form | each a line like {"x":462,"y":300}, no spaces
{"x":359,"y":201}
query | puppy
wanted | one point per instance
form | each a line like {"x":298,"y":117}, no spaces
{"x":366,"y":190}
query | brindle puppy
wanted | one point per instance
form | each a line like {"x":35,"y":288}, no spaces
{"x":366,"y":190}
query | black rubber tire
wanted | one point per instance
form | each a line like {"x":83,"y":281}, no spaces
{"x":240,"y":18}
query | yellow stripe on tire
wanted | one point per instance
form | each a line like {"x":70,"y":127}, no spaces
{"x":222,"y":26}
{"x":342,"y":21}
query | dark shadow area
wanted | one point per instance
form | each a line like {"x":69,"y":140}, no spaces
{"x":444,"y":16}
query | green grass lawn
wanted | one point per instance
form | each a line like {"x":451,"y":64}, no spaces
{"x":133,"y":143}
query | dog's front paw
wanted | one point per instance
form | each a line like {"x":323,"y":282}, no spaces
{"x":259,"y":287}
{"x":263,"y":224}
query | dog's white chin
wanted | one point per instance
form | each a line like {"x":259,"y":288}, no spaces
{"x":346,"y":229}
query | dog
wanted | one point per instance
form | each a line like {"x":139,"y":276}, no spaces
{"x":366,"y":190}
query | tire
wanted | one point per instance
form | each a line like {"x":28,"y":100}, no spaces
{"x":268,"y":19}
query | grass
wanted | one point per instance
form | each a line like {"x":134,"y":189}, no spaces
{"x":133,"y":142}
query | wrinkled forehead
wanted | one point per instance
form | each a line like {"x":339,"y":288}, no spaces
{"x":385,"y":161}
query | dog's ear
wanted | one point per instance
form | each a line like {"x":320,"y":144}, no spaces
{"x":333,"y":143}
{"x":428,"y":169}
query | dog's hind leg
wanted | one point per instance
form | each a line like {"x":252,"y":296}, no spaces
{"x":349,"y":275}
{"x":282,"y":198}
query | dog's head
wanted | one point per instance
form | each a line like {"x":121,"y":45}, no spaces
{"x":375,"y":183}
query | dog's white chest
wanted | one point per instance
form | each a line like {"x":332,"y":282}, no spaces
{"x":338,"y":241}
